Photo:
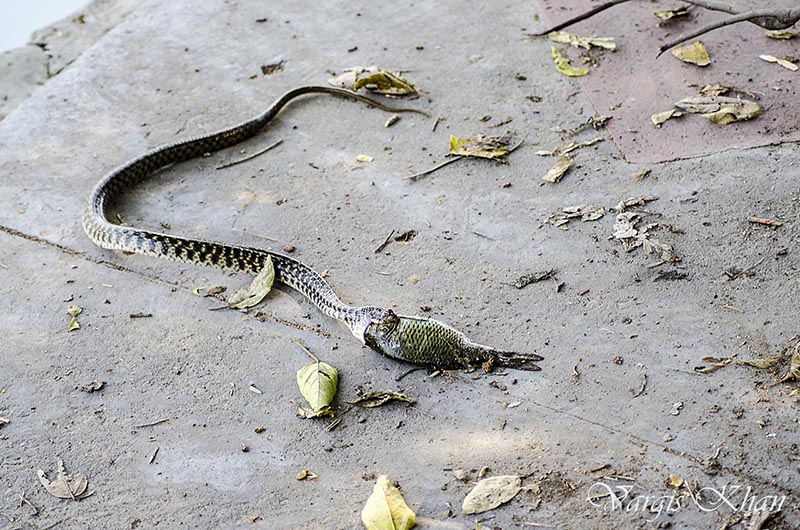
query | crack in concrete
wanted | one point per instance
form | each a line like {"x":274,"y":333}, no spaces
{"x":260,"y":315}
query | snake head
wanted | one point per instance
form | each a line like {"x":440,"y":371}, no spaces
{"x":427,"y":341}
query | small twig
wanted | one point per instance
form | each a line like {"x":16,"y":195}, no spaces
{"x":757,"y":16}
{"x":436,"y":123}
{"x":245,"y":159}
{"x":308,"y":352}
{"x":483,"y":235}
{"x":22,"y":499}
{"x":401,"y":376}
{"x":767,"y":222}
{"x":152,"y":423}
{"x":600,"y":468}
{"x":415,"y":409}
{"x":153,"y":456}
{"x":415,"y":176}
{"x":583,"y":16}
{"x":641,"y":388}
{"x":385,"y":242}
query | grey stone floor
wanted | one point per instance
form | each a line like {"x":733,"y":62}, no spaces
{"x":174,"y":69}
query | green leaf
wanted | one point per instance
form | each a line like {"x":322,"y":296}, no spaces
{"x":563,"y":66}
{"x":381,"y":397}
{"x":262,"y":284}
{"x":582,"y":42}
{"x":386,"y":509}
{"x":317,"y":381}
{"x":490,"y":493}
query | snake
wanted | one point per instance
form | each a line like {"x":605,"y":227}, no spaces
{"x":413,"y":339}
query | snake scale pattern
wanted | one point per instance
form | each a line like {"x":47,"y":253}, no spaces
{"x":412,"y":339}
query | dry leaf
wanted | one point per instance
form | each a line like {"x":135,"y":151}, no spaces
{"x":381,"y":397}
{"x":364,"y":158}
{"x":694,"y":53}
{"x":563,"y":66}
{"x":794,"y":366}
{"x":780,"y":35}
{"x":259,"y":288}
{"x":575,"y":41}
{"x":675,"y":481}
{"x":305,"y":475}
{"x":93,"y":386}
{"x":375,"y":79}
{"x":783,"y":62}
{"x":632,"y":236}
{"x":624,"y":204}
{"x":557,"y":171}
{"x":764,"y":364}
{"x":386,"y":509}
{"x":721,"y":109}
{"x":490,"y":493}
{"x":558,"y":151}
{"x":533,"y":277}
{"x":716,"y":364}
{"x":65,"y":486}
{"x":660,"y":117}
{"x":73,"y":311}
{"x":585,"y":212}
{"x":480,"y":146}
{"x":385,"y":82}
{"x":317,"y":381}
{"x":668,"y":14}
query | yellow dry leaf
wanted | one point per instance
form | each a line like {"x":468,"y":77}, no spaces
{"x":694,"y":53}
{"x":721,"y":109}
{"x":675,"y":481}
{"x":557,"y":171}
{"x":563,"y":66}
{"x":478,"y":145}
{"x":660,"y":117}
{"x":74,"y":311}
{"x":364,"y":158}
{"x":386,"y":509}
{"x":763,"y":364}
{"x":789,"y":65}
{"x":668,"y":14}
{"x":780,"y":35}
{"x":582,"y":42}
{"x":259,"y":288}
{"x":385,"y":82}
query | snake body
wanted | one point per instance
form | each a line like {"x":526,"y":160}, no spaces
{"x":411,"y":339}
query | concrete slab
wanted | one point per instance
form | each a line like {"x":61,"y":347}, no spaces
{"x":53,"y":48}
{"x":173,"y":70}
{"x":630,"y":84}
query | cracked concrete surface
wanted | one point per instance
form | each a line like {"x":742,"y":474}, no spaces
{"x":173,"y":70}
